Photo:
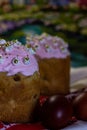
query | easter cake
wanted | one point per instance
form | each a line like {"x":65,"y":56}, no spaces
{"x":19,"y":75}
{"x":53,"y":58}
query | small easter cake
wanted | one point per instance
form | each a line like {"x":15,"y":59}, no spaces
{"x":18,"y":82}
{"x":54,"y":63}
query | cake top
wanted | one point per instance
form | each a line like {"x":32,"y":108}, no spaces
{"x":14,"y":58}
{"x":47,"y":46}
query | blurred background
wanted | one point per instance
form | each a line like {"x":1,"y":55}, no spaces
{"x":64,"y":18}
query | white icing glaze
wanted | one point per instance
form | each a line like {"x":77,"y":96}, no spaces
{"x":47,"y":46}
{"x":14,"y":58}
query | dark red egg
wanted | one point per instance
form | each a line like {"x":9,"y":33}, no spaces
{"x":56,"y":112}
{"x":80,"y":106}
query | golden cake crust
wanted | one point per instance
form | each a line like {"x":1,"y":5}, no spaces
{"x":54,"y":75}
{"x":18,"y":96}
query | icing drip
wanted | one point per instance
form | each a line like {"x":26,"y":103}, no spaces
{"x":14,"y":58}
{"x":47,"y":46}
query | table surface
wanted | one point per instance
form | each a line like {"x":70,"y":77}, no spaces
{"x":79,"y":125}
